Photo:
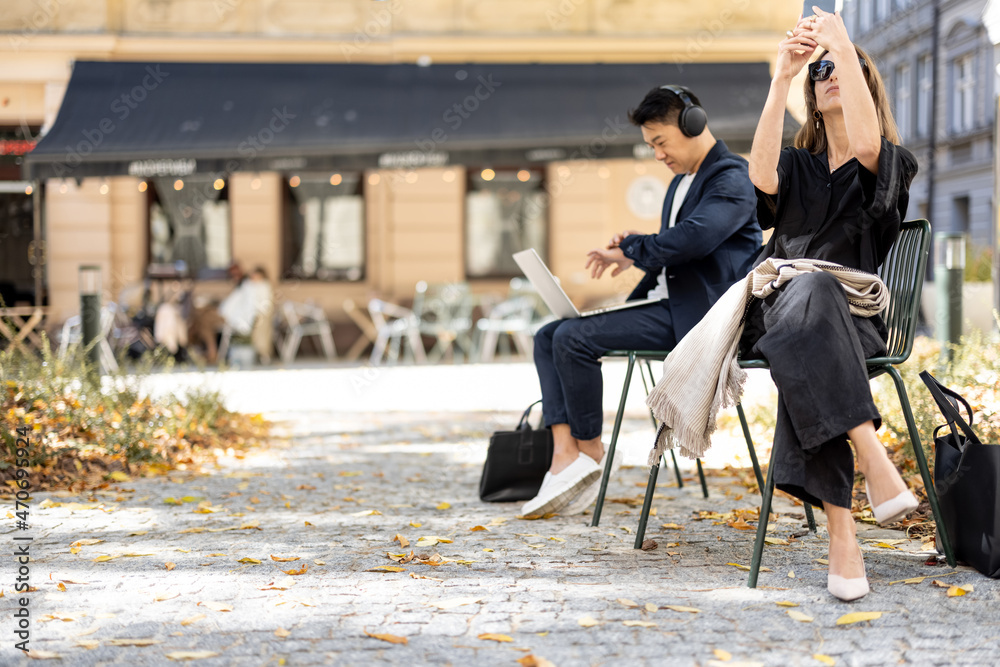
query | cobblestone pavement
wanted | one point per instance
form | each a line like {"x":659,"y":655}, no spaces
{"x":159,"y":566}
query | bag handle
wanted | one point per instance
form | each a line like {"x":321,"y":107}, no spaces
{"x":527,"y":413}
{"x":951,"y":413}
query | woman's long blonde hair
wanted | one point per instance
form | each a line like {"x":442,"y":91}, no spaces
{"x":814,"y":139}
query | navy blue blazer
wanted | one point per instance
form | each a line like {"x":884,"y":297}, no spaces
{"x":712,"y":244}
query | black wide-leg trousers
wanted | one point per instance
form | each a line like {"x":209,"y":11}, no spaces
{"x":817,"y":351}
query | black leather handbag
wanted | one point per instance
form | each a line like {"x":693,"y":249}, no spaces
{"x":516,"y":462}
{"x":967,"y":481}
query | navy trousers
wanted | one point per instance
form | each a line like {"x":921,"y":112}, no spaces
{"x":816,"y":350}
{"x":567,"y":358}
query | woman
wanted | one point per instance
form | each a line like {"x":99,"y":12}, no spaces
{"x":838,"y":195}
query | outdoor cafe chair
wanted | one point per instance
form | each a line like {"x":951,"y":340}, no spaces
{"x":72,"y":333}
{"x":903,"y":274}
{"x":512,"y":318}
{"x":633,"y":356}
{"x":392,"y":324}
{"x":305,"y":319}
{"x":444,"y":311}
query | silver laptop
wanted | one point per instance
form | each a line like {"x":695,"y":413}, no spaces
{"x":553,"y":295}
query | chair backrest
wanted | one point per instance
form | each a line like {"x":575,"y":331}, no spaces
{"x":903,"y":273}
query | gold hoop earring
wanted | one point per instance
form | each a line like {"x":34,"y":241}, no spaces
{"x":818,"y":116}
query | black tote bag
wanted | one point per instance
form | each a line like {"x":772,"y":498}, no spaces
{"x":516,"y":462}
{"x":967,"y":481}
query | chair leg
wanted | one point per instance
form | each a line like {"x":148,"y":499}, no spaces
{"x":765,"y":512}
{"x":810,"y":519}
{"x":652,"y":382}
{"x":647,"y":504}
{"x":701,"y":478}
{"x":918,"y":453}
{"x":750,"y":448}
{"x":610,"y":454}
{"x":677,"y":471}
{"x":326,"y":336}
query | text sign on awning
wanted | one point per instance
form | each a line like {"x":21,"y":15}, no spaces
{"x":147,"y":168}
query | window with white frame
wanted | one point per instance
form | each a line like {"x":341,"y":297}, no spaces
{"x":964,"y":99}
{"x":925,"y":85}
{"x":506,"y":210}
{"x":902,"y":100}
{"x":324,"y":231}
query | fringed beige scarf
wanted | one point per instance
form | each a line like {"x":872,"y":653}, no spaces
{"x":701,"y":375}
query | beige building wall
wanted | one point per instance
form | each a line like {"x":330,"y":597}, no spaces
{"x":414,"y":219}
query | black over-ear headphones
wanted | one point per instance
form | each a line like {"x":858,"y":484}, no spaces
{"x":693,"y":118}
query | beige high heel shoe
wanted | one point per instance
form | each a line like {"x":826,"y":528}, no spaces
{"x":848,"y":589}
{"x":894,"y":509}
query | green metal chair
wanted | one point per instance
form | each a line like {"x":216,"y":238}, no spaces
{"x":903,"y":273}
{"x":647,"y":356}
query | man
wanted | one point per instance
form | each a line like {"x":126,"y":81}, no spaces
{"x":707,"y":241}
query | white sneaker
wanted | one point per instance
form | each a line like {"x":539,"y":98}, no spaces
{"x":563,"y":486}
{"x":589,"y":494}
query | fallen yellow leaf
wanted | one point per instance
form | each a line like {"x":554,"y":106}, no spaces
{"x":294,"y":573}
{"x":282,"y":559}
{"x":639,"y":624}
{"x":217,"y":606}
{"x":858,"y":616}
{"x":85,"y":543}
{"x":775,"y":540}
{"x":414,"y":524}
{"x":477,"y":528}
{"x":247,"y":559}
{"x":282,"y":633}
{"x":366,"y":513}
{"x":193,"y":619}
{"x":386,"y":568}
{"x":133,"y":642}
{"x":61,"y":586}
{"x":722,"y":655}
{"x":443,"y":506}
{"x":958,"y":591}
{"x":588,"y":622}
{"x":650,"y":607}
{"x":190,"y":655}
{"x":627,"y":602}
{"x":89,"y":644}
{"x":169,"y":565}
{"x":403,"y":542}
{"x":799,"y":616}
{"x":671,"y":526}
{"x":44,"y":655}
{"x":535,"y":661}
{"x":392,"y":639}
{"x":786,"y":603}
{"x":495,"y":637}
{"x":675,"y":607}
{"x":825,"y":659}
{"x":161,"y":597}
{"x":119,"y":476}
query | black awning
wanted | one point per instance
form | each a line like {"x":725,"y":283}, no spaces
{"x":149,"y":119}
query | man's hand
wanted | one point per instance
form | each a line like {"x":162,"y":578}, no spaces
{"x":618,"y":238}
{"x":600,"y":259}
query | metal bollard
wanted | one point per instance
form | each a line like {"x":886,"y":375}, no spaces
{"x":90,"y":311}
{"x":949,"y":267}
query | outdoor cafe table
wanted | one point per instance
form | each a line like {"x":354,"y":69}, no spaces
{"x":18,"y":324}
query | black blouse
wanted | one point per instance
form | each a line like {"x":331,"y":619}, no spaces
{"x":850,"y":216}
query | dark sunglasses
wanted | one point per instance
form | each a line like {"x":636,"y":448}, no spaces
{"x":822,"y":69}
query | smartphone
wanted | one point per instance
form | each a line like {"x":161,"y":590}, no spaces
{"x":826,"y":5}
